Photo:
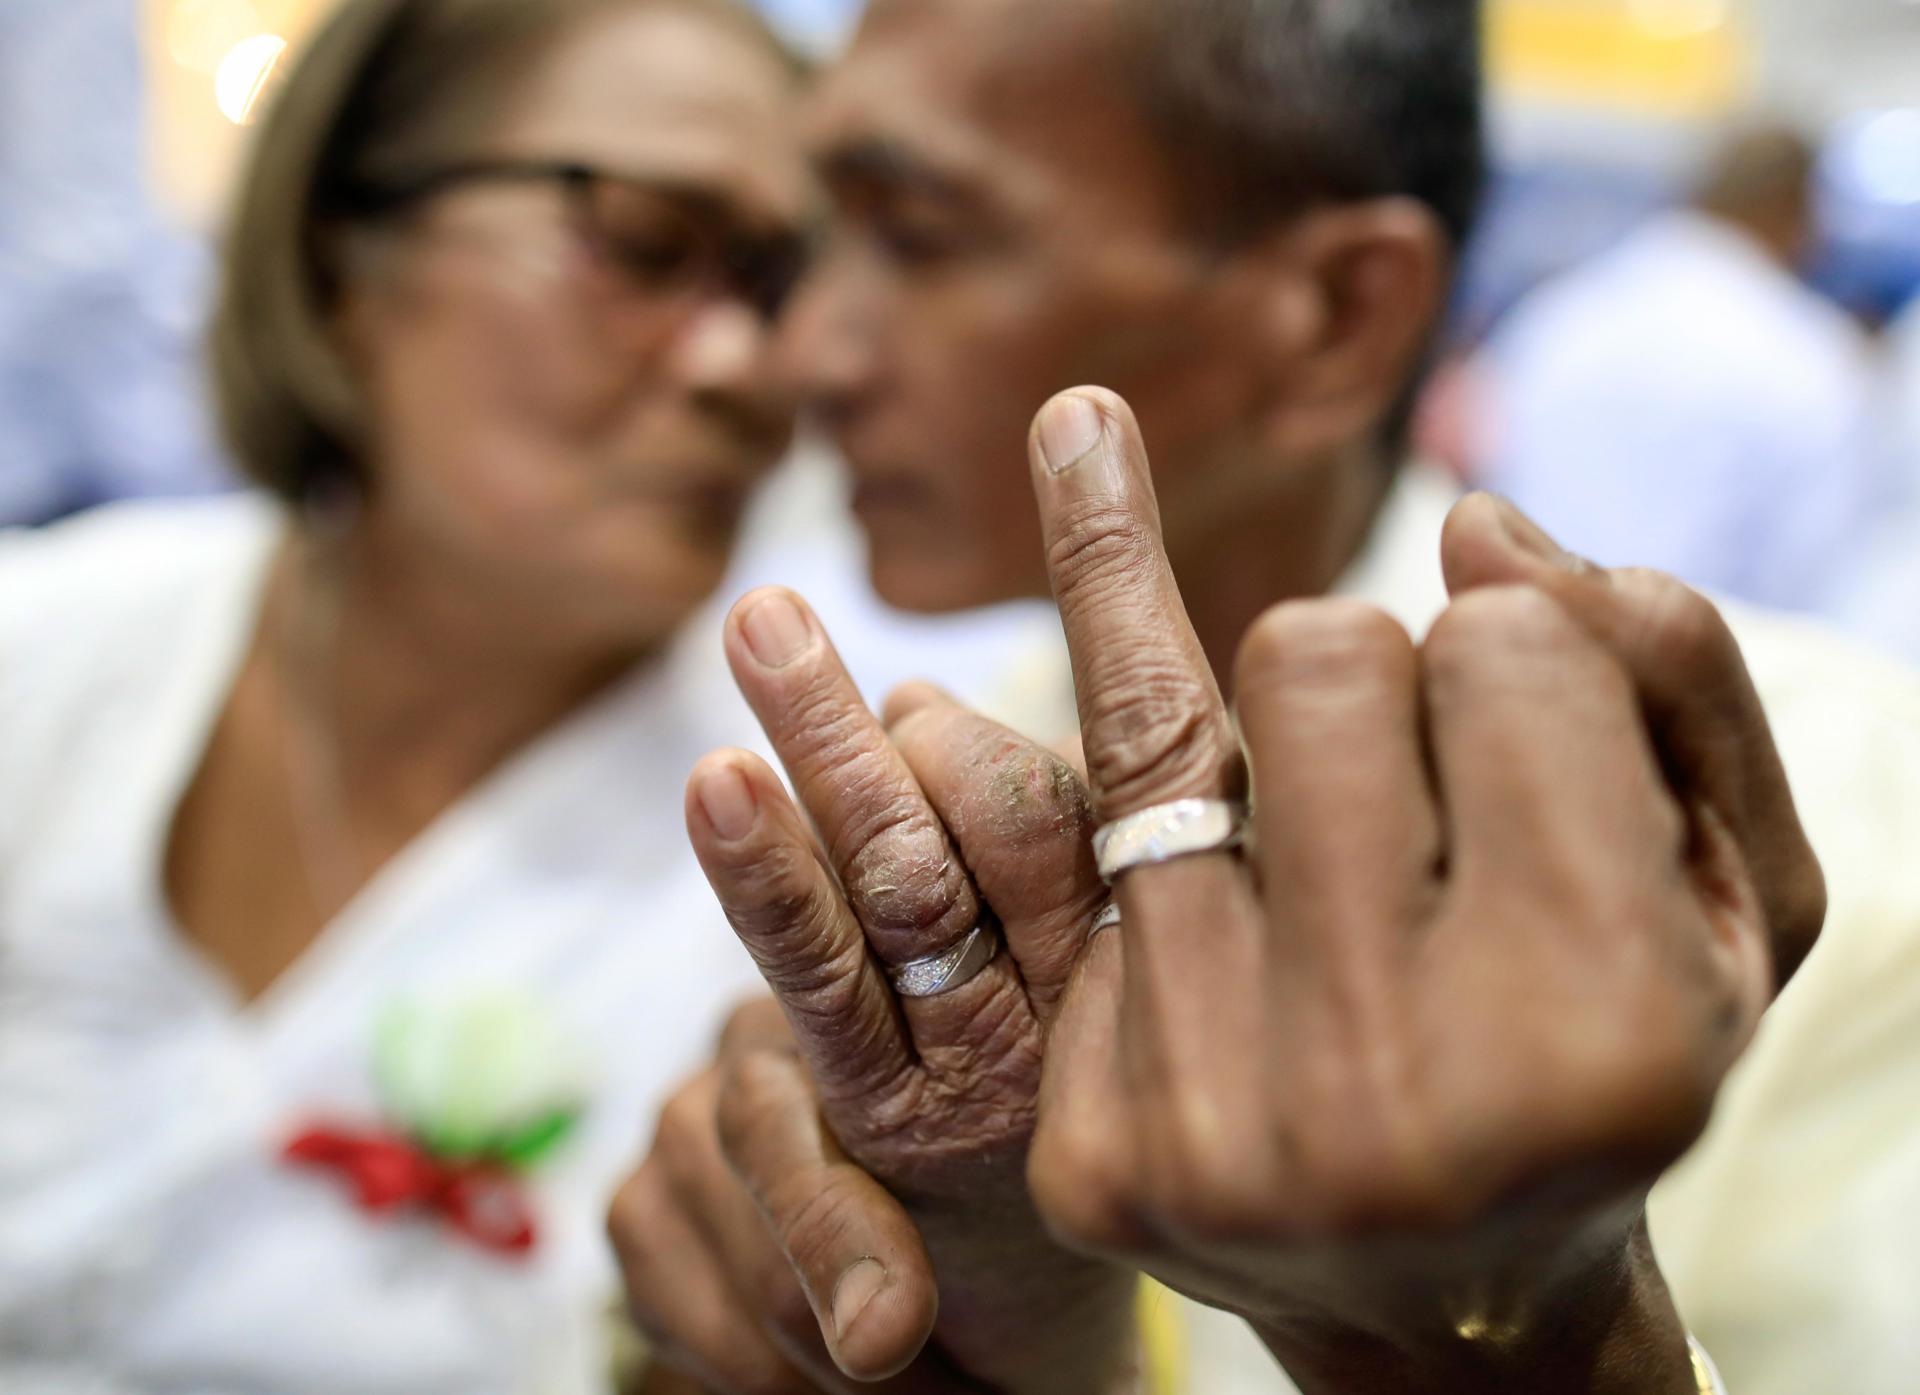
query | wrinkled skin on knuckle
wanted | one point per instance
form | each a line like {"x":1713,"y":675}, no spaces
{"x":1153,"y":730}
{"x":1155,"y":736}
{"x":936,"y":1138}
{"x":770,"y":897}
{"x":993,"y":1056}
{"x":864,"y":1067}
{"x":792,"y":939}
{"x":903,"y":879}
{"x":822,"y":730}
{"x":1022,"y":820}
{"x":879,"y":1128}
{"x":1018,"y":794}
{"x":1101,"y":553}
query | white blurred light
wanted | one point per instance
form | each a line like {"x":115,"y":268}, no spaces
{"x":244,"y":74}
{"x":1884,"y":161}
{"x":1680,"y":19}
{"x":200,"y":33}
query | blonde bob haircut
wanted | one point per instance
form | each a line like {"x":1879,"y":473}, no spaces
{"x":388,"y":88}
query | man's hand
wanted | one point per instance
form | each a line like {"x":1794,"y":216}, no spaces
{"x":1394,"y":1083}
{"x":1698,"y":699}
{"x":931,"y":1101}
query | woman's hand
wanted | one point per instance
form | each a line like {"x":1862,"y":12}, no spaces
{"x":1394,"y":1082}
{"x":886,"y":1141}
{"x":713,"y":1252}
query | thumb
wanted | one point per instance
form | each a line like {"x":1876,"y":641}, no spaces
{"x":859,"y":1257}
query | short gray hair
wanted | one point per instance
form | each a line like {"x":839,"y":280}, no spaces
{"x":1288,"y":101}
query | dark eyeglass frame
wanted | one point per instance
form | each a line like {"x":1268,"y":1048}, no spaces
{"x":760,"y":268}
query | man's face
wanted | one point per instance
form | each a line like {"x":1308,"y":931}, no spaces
{"x":1009,"y":227}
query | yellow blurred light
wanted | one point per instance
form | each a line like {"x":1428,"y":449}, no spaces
{"x":1619,"y":54}
{"x":201,"y":33}
{"x":1681,"y":19}
{"x":244,"y":74}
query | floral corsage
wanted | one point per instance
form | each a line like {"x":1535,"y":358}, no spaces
{"x":479,"y":1088}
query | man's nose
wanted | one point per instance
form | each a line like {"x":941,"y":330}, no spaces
{"x":826,"y":347}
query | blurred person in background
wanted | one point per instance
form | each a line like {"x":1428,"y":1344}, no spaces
{"x":345,"y":908}
{"x":1882,"y":597}
{"x":1692,"y":365}
{"x":1245,"y":217}
{"x":99,"y":298}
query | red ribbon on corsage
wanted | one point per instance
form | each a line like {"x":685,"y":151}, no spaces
{"x":390,"y":1174}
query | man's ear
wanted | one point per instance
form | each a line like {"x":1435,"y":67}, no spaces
{"x":1352,"y":297}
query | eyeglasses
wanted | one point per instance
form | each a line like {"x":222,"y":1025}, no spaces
{"x":666,"y":241}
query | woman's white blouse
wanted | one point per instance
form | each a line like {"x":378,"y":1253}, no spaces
{"x":150,"y":1240}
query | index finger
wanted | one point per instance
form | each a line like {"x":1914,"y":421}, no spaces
{"x":1152,"y":721}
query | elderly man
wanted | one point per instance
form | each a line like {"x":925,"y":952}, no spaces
{"x":1244,"y":217}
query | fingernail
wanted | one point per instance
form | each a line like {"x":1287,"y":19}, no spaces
{"x":1531,"y":538}
{"x":728,"y":802}
{"x":776,"y":631}
{"x":854,"y":1292}
{"x":1071,"y":428}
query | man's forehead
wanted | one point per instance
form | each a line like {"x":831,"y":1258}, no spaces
{"x":965,"y":83}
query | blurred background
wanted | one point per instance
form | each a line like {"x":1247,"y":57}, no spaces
{"x":121,"y":122}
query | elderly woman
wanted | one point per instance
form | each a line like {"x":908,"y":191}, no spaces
{"x":344,"y":927}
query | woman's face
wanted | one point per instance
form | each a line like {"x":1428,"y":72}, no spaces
{"x":570,"y":391}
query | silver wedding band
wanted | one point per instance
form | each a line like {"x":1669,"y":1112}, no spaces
{"x":951,"y":968}
{"x":1167,"y":832}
